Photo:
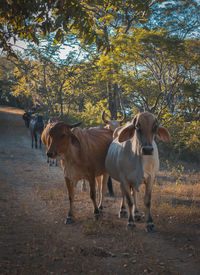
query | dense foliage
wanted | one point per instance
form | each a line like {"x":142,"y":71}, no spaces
{"x":90,"y":20}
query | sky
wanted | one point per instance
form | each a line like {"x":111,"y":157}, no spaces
{"x":21,"y":46}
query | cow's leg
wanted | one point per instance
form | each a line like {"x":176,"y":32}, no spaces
{"x":92,"y":183}
{"x":40,"y":143}
{"x":83,"y":186}
{"x":102,"y":189}
{"x":127,"y":192}
{"x":110,"y":187}
{"x":70,"y":189}
{"x":137,"y":214}
{"x":56,"y":161}
{"x":99,"y":187}
{"x":35,"y":136}
{"x":32,"y":140}
{"x":123,"y":212}
{"x":147,"y":202}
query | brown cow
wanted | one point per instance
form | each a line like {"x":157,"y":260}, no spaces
{"x":112,"y":125}
{"x":82,"y":153}
{"x":44,"y":138}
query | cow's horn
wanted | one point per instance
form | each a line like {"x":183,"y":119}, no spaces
{"x":103,"y":117}
{"x":124,"y":116}
{"x":75,"y":125}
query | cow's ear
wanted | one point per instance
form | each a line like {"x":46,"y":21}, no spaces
{"x":126,"y":133}
{"x":75,"y":125}
{"x":163,"y":134}
{"x":75,"y":141}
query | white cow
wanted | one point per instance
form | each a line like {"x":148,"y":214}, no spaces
{"x":132,"y":158}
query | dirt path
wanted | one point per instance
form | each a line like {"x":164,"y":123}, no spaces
{"x":34,"y":239}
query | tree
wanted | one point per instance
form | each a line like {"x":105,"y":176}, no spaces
{"x":7,"y":80}
{"x":90,"y":20}
{"x":154,"y":68}
{"x":180,"y":18}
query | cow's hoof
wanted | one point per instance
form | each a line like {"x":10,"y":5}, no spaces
{"x":97,"y":216}
{"x":69,"y":220}
{"x":151,"y":228}
{"x":137,"y":217}
{"x":111,"y":194}
{"x":101,"y":210}
{"x":131,"y":224}
{"x":123,"y":214}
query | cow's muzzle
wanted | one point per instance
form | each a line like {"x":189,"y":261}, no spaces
{"x":147,"y":150}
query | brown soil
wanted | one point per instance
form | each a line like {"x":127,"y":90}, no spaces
{"x":34,"y":203}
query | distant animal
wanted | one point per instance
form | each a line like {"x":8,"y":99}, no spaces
{"x":82,"y":153}
{"x":51,"y":162}
{"x":36,"y":128}
{"x":27,"y":117}
{"x":112,"y":125}
{"x":132,"y":159}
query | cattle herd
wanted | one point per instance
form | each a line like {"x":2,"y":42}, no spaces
{"x":128,"y":154}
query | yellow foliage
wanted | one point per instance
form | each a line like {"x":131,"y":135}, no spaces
{"x":91,"y":116}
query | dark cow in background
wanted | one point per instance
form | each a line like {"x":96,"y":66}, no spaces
{"x":28,"y":114}
{"x":27,"y":118}
{"x":133,"y":159}
{"x":36,"y":127}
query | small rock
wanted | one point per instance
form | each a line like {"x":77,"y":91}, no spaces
{"x":125,"y":254}
{"x":134,"y":262}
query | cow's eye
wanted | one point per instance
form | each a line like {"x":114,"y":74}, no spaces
{"x":155,"y":127}
{"x":139,"y":131}
{"x":63,"y":135}
{"x":138,"y":128}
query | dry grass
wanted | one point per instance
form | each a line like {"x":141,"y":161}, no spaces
{"x":50,"y":194}
{"x":176,"y":194}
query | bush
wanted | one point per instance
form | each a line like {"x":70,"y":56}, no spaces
{"x":185,"y":140}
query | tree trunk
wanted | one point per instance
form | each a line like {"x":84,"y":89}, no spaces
{"x":112,"y":99}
